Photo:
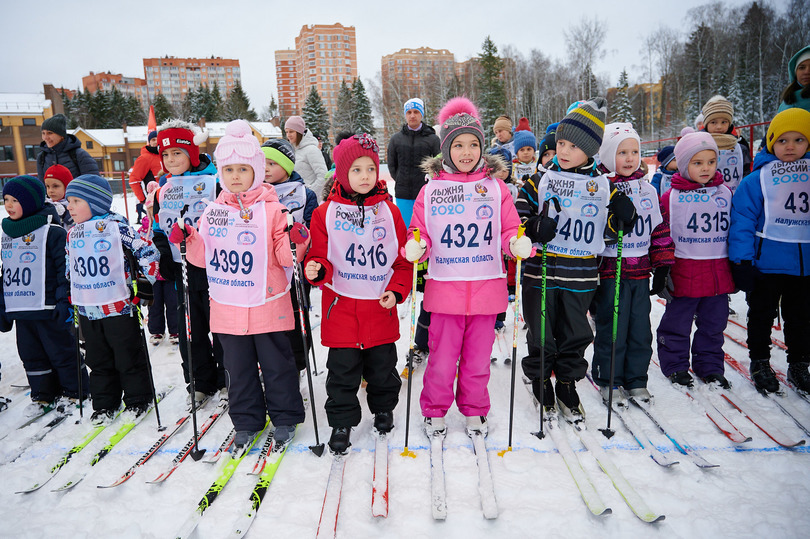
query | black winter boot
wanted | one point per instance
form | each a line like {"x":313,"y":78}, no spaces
{"x":339,"y":441}
{"x":799,"y":376}
{"x":763,"y":376}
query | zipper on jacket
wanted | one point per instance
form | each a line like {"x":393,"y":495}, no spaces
{"x":801,"y":261}
{"x":759,"y":248}
{"x":329,"y":311}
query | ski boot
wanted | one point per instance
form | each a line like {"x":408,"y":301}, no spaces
{"x":384,"y":422}
{"x":799,"y":376}
{"x":339,"y":443}
{"x":477,"y":424}
{"x":682,"y":378}
{"x":102,"y":417}
{"x":763,"y":376}
{"x":619,"y":398}
{"x":156,"y":339}
{"x":718,"y":379}
{"x":242,"y":441}
{"x":568,"y":401}
{"x":434,"y":426}
{"x":640,"y":394}
{"x":283,"y":434}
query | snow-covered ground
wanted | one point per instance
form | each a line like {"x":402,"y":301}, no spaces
{"x":760,"y":489}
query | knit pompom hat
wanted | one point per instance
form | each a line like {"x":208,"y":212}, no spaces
{"x":502,"y":122}
{"x":182,"y":135}
{"x":348,"y":151}
{"x":93,"y":189}
{"x":280,"y":151}
{"x":29,"y":192}
{"x":665,"y":155}
{"x":523,"y":139}
{"x":414,"y":103}
{"x":718,"y":107}
{"x":56,"y":124}
{"x":615,"y":134}
{"x":458,"y":116}
{"x":793,"y":119}
{"x":59,"y":172}
{"x":240,"y":146}
{"x":296,"y":123}
{"x":523,"y":125}
{"x":689,"y":145}
{"x":584,"y":125}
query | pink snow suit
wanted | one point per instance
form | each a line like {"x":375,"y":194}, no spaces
{"x":467,"y":288}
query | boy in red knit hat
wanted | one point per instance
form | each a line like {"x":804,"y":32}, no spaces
{"x":57,"y":178}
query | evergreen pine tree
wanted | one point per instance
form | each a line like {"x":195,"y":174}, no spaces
{"x":215,"y":106}
{"x":621,"y":108}
{"x":361,"y":108}
{"x":492,"y":96}
{"x":163,"y":109}
{"x":314,"y":114}
{"x":343,"y":118}
{"x":237,"y":106}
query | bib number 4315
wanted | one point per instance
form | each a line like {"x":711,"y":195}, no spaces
{"x":717,"y":222}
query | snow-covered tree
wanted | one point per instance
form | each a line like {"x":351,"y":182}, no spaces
{"x":343,"y":118}
{"x":621,"y":109}
{"x":315,"y":115}
{"x":237,"y":106}
{"x":491,"y":94}
{"x":361,"y":108}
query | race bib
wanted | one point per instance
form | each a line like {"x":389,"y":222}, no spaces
{"x":786,"y":190}
{"x":97,"y":274}
{"x":189,"y":192}
{"x":236,"y":255}
{"x":294,"y":197}
{"x":699,"y":222}
{"x":362,"y":257}
{"x":464,"y":221}
{"x":581,"y":223}
{"x":730,"y":165}
{"x":666,"y":183}
{"x":24,"y":270}
{"x":636,"y":243}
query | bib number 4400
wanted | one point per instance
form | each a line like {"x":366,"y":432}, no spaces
{"x":459,"y":236}
{"x":579,"y":230}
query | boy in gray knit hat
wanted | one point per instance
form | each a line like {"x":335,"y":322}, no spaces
{"x":590,"y":211}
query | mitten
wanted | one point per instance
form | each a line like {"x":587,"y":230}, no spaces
{"x":541,"y":229}
{"x":744,"y":275}
{"x":659,"y":281}
{"x":521,"y":247}
{"x":623,"y":210}
{"x":178,"y":234}
{"x":299,"y":233}
{"x":415,"y":250}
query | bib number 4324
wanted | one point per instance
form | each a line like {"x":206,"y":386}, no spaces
{"x":459,"y":236}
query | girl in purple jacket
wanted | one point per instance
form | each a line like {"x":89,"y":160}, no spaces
{"x":699,"y":206}
{"x":466,"y":219}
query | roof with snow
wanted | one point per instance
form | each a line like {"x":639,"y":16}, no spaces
{"x":33,"y":103}
{"x":138,"y":133}
{"x":267,"y":129}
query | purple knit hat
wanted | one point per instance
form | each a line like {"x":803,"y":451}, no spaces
{"x":689,"y":145}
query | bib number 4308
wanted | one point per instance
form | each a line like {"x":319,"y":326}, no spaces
{"x":92,"y":267}
{"x":459,"y":236}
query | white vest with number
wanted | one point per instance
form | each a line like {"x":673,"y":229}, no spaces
{"x":97,"y":274}
{"x":464,"y":222}
{"x":182,"y":191}
{"x":581,"y":223}
{"x":24,"y":270}
{"x":730,"y":165}
{"x":294,"y":197}
{"x":699,"y":222}
{"x":636,"y":243}
{"x":362,"y":257}
{"x":236,"y":254}
{"x":786,"y":190}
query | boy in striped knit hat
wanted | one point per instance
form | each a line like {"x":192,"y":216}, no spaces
{"x":573,"y":237}
{"x":101,"y":289}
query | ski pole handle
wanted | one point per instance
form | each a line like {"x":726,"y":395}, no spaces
{"x":416,"y":235}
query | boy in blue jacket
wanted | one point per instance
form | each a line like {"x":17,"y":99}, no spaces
{"x":769,"y":246}
{"x":35,"y":295}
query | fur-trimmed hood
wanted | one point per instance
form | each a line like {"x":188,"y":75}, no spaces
{"x":433,"y":166}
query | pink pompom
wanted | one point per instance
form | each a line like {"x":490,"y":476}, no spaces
{"x":686,"y":130}
{"x":238,"y":128}
{"x":457,"y":105}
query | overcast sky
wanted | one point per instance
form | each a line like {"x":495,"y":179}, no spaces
{"x":61,"y":41}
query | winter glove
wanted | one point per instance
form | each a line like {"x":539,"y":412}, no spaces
{"x":299,"y":233}
{"x":63,"y":313}
{"x":5,"y":324}
{"x":541,"y":229}
{"x":661,"y":283}
{"x":177,"y":234}
{"x":744,"y":275}
{"x":521,"y":247}
{"x":415,"y":250}
{"x":623,"y":210}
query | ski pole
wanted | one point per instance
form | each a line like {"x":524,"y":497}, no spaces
{"x":501,"y":453}
{"x":196,"y":453}
{"x":78,"y":361}
{"x":407,"y":452}
{"x":299,"y":292}
{"x":607,"y":431}
{"x":161,"y":428}
{"x":540,"y":434}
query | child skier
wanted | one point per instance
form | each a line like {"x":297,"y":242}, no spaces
{"x":96,"y":254}
{"x":589,"y":212}
{"x":698,"y":206}
{"x":356,"y":237}
{"x":525,"y":162}
{"x":734,"y":161}
{"x":769,"y":245}
{"x":646,"y":249}
{"x":244,"y":246}
{"x":190,"y":182}
{"x":35,"y":294}
{"x":466,"y":219}
{"x":56,"y":181}
{"x":662,"y":179}
{"x":279,"y":160}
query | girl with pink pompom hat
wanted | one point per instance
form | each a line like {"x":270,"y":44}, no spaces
{"x":466,"y":219}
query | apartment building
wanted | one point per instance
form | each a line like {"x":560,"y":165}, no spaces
{"x":174,"y":77}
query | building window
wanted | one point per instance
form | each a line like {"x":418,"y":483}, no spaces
{"x":29,"y":121}
{"x":89,"y":144}
{"x":6,"y":153}
{"x":31,"y":152}
{"x":118,"y":166}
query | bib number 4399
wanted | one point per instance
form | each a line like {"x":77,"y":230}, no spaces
{"x":230,"y":261}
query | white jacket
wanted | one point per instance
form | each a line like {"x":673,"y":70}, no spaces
{"x":309,"y":163}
